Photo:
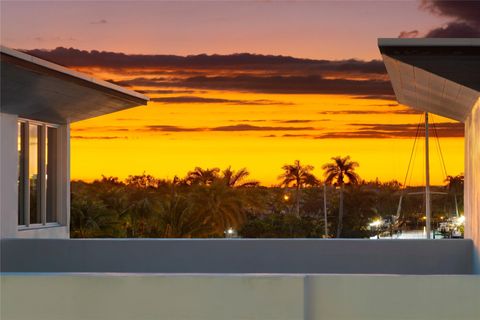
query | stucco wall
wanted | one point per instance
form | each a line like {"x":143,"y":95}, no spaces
{"x":472,"y":181}
{"x":8,"y":175}
{"x":371,"y":297}
{"x":238,"y":297}
{"x":238,"y":256}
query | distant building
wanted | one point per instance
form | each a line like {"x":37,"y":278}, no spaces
{"x":39,"y":100}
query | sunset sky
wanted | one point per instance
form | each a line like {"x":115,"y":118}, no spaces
{"x":246,"y":84}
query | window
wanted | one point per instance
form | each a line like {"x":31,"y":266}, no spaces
{"x":37,"y":173}
{"x":21,"y":173}
{"x":34,"y":133}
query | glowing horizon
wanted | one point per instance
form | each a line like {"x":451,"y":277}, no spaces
{"x":170,"y":139}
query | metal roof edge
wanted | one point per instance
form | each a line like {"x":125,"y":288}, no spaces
{"x":72,"y":73}
{"x":429,"y":42}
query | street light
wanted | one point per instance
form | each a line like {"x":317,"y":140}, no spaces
{"x":230,"y":233}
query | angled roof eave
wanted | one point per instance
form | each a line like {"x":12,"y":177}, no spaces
{"x":435,"y":75}
{"x":103,"y":97}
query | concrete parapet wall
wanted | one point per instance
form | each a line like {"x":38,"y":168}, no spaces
{"x":238,"y":256}
{"x":220,"y":296}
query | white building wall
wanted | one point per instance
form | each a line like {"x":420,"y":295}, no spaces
{"x":8,"y":175}
{"x":8,"y":184}
{"x":472,"y":181}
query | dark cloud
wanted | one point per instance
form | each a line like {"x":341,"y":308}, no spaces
{"x":237,"y":127}
{"x":290,"y":84}
{"x":390,"y":97}
{"x":404,"y":111}
{"x":295,"y":121}
{"x":240,"y":61}
{"x":195,"y":99}
{"x":443,"y":129}
{"x":468,"y":11}
{"x":141,"y":81}
{"x":387,"y":111}
{"x":365,"y":89}
{"x":280,"y":121}
{"x":247,"y":127}
{"x":238,"y":72}
{"x":359,"y":130}
{"x":409,"y":34}
{"x":169,"y":128}
{"x":385,"y":131}
{"x":296,"y":135}
{"x":98,"y":137}
{"x":190,"y":99}
{"x":455,"y":30}
{"x":356,"y":135}
{"x":160,"y":91}
{"x":465,"y":15}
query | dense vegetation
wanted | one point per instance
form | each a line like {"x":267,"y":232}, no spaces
{"x":209,"y":202}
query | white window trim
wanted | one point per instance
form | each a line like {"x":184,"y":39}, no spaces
{"x":39,"y":226}
{"x":42,"y":172}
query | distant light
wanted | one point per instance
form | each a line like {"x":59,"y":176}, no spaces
{"x":460,"y":220}
{"x":376,"y":223}
{"x":286,"y":197}
{"x":424,"y":218}
{"x":230,"y":231}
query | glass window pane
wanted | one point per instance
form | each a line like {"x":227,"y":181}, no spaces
{"x":33,"y":157}
{"x":51,"y":173}
{"x":21,"y":172}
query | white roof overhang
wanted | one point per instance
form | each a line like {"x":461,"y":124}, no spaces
{"x":40,"y":90}
{"x":440,"y":76}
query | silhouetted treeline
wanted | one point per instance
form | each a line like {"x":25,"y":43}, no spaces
{"x":209,"y":202}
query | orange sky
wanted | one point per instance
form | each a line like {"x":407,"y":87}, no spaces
{"x":168,"y":139}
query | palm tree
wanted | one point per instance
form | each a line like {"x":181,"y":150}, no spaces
{"x":339,"y":170}
{"x":300,"y":176}
{"x":455,"y":186}
{"x":143,"y":181}
{"x":202,"y":176}
{"x":89,"y":216}
{"x":221,"y":207}
{"x":234,"y":178}
{"x":179,"y":220}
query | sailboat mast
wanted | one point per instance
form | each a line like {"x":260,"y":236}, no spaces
{"x":427,"y":180}
{"x":325,"y":208}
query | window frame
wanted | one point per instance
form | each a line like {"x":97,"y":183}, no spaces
{"x":42,"y":170}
